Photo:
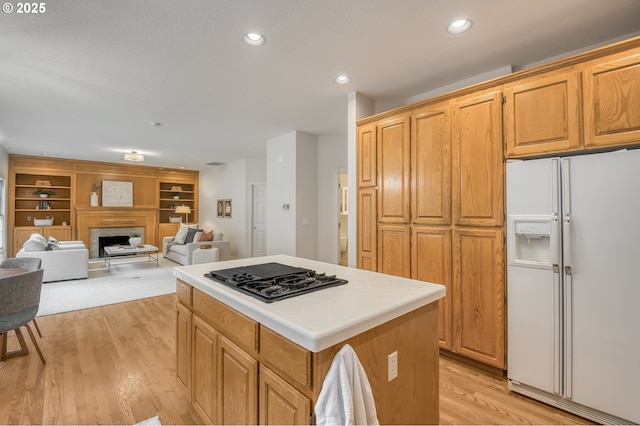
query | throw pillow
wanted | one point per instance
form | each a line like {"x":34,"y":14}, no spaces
{"x":218,"y":236}
{"x":181,"y":236}
{"x":182,"y":232}
{"x":205,"y":236}
{"x":191,"y":233}
{"x":34,"y":245}
{"x":39,"y":238}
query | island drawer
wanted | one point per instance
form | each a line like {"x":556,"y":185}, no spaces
{"x":184,"y":293}
{"x":231,"y":323}
{"x":286,"y":357}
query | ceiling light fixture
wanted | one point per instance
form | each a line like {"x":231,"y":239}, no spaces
{"x":342,"y":79}
{"x":155,"y":123}
{"x":133,"y":156}
{"x":459,"y":26}
{"x":254,"y":39}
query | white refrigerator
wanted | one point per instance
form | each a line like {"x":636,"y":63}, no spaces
{"x":573,"y":283}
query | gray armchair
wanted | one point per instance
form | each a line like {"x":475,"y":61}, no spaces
{"x":19,"y":303}
{"x":28,"y":263}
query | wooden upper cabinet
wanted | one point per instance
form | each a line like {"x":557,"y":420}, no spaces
{"x":431,"y":165}
{"x":477,"y":166}
{"x":367,"y":156}
{"x":394,"y":169}
{"x":542,"y":114}
{"x":367,"y":229}
{"x":611,"y":99}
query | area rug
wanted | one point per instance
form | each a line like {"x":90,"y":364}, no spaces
{"x":123,"y":283}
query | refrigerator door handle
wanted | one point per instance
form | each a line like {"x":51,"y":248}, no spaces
{"x":557,"y":344}
{"x":568,"y":277}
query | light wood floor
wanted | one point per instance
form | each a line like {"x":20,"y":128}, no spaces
{"x":115,"y":365}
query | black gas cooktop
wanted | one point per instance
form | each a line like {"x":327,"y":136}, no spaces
{"x":274,"y":281}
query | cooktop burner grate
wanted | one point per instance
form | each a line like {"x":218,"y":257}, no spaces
{"x":274,"y":281}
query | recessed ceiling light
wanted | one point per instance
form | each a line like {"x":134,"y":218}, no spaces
{"x":254,"y":39}
{"x":459,"y":26}
{"x":342,"y":79}
{"x":155,"y":123}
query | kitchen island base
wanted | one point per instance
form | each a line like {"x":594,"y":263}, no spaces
{"x":236,"y":370}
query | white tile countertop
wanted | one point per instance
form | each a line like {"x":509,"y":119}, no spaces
{"x":320,"y":319}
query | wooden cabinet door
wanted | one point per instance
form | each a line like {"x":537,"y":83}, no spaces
{"x":183,"y":347}
{"x":431,"y":165}
{"x":367,"y":229}
{"x":611,"y":99}
{"x":281,"y":403}
{"x":431,"y":261}
{"x":394,"y":250}
{"x":166,"y":230}
{"x":204,"y":373}
{"x":21,"y":235}
{"x":542,"y":114}
{"x":479,"y":295}
{"x":60,"y":233}
{"x":367,"y":156}
{"x":237,"y":385}
{"x":394,"y":170}
{"x":477,"y":167}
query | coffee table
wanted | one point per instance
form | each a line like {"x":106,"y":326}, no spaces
{"x":127,"y":252}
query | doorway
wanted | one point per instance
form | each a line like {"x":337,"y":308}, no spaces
{"x":343,"y":216}
{"x":258,"y":220}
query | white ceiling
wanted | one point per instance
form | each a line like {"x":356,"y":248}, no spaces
{"x":84,"y":79}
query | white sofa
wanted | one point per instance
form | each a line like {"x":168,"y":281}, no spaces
{"x":184,"y":253}
{"x":69,"y":261}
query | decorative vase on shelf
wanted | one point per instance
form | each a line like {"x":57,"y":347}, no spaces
{"x":94,"y":199}
{"x":135,"y":241}
{"x":43,"y":195}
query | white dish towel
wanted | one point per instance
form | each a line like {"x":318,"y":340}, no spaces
{"x":346,"y":397}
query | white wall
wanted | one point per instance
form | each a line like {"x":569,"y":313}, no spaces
{"x":306,"y":196}
{"x":292,"y":199}
{"x":231,"y":181}
{"x":281,"y":192}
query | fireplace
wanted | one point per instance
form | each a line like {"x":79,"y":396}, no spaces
{"x":99,"y":238}
{"x":93,"y":222}
{"x":111,"y":241}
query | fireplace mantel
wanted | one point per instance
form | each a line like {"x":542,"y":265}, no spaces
{"x":100,"y":217}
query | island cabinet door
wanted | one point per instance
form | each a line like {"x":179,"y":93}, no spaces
{"x":281,"y":403}
{"x":204,"y":371}
{"x":183,"y":347}
{"x":237,"y":385}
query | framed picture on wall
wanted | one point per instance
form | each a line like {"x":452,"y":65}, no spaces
{"x":227,"y":208}
{"x":220,"y":208}
{"x":117,"y":194}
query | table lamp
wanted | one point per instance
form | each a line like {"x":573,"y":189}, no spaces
{"x":184,"y":209}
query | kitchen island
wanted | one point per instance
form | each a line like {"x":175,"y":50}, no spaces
{"x":241,"y":360}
